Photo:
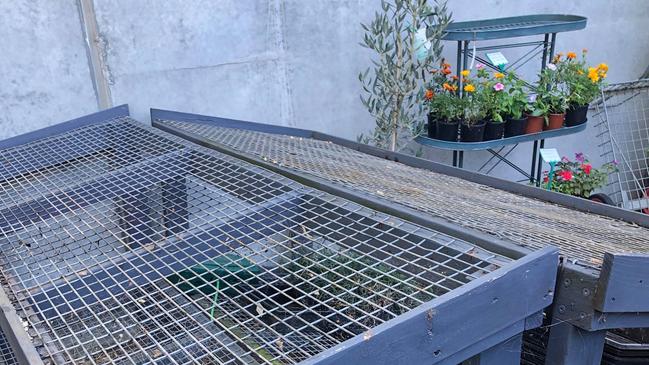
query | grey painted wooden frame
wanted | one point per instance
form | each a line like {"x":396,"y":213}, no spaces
{"x":575,"y":299}
{"x":449,"y":329}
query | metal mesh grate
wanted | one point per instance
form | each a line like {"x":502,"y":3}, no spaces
{"x":525,"y":221}
{"x":623,"y":125}
{"x":121,"y":244}
{"x":7,"y":356}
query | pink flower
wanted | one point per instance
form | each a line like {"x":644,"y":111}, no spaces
{"x":479,"y":66}
{"x":499,"y":87}
{"x":586,"y":168}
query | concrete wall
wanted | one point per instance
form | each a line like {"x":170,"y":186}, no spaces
{"x":289,"y":62}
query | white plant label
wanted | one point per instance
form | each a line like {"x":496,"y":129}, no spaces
{"x":550,"y":155}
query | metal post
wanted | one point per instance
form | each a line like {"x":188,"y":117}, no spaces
{"x":461,"y":159}
{"x":454,"y":158}
{"x":458,"y":71}
{"x":540,"y":165}
{"x":534,"y":153}
{"x":570,"y":345}
{"x":544,"y":61}
{"x":552,"y":43}
{"x":505,"y":353}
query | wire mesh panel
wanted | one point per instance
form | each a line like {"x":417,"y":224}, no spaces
{"x":7,"y":356}
{"x":623,"y":125}
{"x":582,"y":237}
{"x":120,"y":244}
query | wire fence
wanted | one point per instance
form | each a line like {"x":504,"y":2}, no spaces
{"x":623,"y":129}
{"x":121,"y":244}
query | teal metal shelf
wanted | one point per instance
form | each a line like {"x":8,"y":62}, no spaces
{"x":518,"y":26}
{"x":485,"y":145}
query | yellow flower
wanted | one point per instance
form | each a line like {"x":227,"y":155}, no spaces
{"x":603,"y":67}
{"x":499,"y":75}
{"x":465,"y":73}
{"x":469,"y":88}
{"x":593,"y":75}
{"x":571,"y":55}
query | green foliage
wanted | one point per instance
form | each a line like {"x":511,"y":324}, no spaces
{"x":551,"y":91}
{"x":583,"y":83}
{"x":505,"y":96}
{"x":393,"y":86}
{"x":579,"y":177}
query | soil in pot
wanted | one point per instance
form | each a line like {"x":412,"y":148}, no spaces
{"x":515,"y":127}
{"x":555,"y":121}
{"x":472,"y":132}
{"x":576,"y":115}
{"x":534,"y":124}
{"x":447,"y":131}
{"x":493,"y":130}
{"x":432,"y":126}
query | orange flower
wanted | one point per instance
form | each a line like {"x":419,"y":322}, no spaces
{"x":446,"y":70}
{"x":465,"y":73}
{"x":454,"y":77}
{"x":557,"y":57}
{"x":571,"y":55}
{"x":499,"y":75}
{"x":429,"y":94}
{"x":446,"y":65}
{"x":602,"y":67}
{"x":447,"y":87}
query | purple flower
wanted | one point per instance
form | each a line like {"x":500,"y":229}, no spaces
{"x":499,"y":87}
{"x":479,"y":66}
{"x":615,"y":162}
{"x":552,"y":66}
{"x":580,"y":157}
{"x":565,"y":159}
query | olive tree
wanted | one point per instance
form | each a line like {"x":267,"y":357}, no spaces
{"x":393,"y":86}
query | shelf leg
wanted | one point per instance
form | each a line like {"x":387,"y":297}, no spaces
{"x":540,"y":165}
{"x":544,"y":61}
{"x":454,"y":158}
{"x":461,"y":159}
{"x":535,"y":152}
{"x":552,"y":43}
{"x":459,"y":64}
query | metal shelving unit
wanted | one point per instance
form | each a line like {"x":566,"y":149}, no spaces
{"x":545,"y":25}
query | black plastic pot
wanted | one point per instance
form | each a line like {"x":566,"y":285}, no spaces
{"x":515,"y":127}
{"x":494,"y":130}
{"x":447,"y":131}
{"x":576,"y":115}
{"x":472,"y":132}
{"x":432,"y":126}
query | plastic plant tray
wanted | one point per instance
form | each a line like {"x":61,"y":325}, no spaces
{"x":518,"y":26}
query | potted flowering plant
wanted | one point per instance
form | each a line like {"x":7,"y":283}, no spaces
{"x":552,"y":93}
{"x":444,"y":104}
{"x":583,"y":84}
{"x":472,"y":123}
{"x":537,"y":112}
{"x":579,"y":177}
{"x":513,"y":104}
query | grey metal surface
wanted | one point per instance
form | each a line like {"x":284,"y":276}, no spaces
{"x":517,"y":26}
{"x":122,"y":244}
{"x":623,"y":128}
{"x":582,"y":237}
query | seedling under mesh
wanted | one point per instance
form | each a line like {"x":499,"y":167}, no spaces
{"x":122,"y":245}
